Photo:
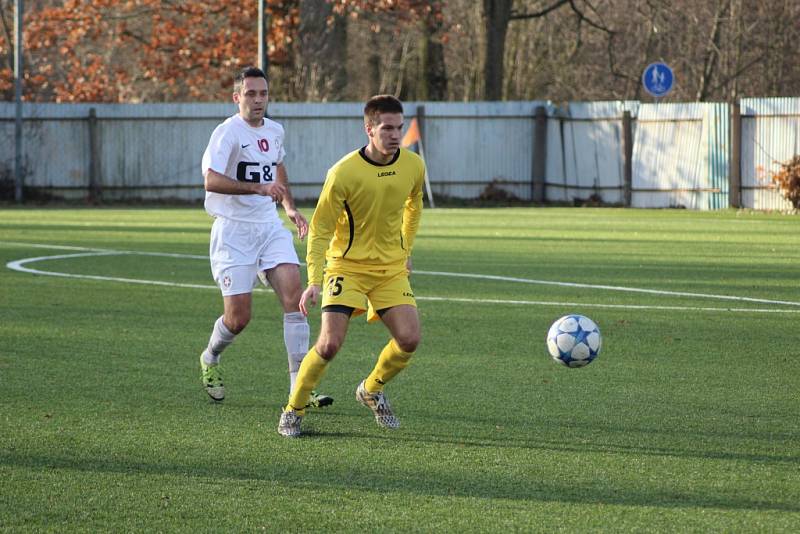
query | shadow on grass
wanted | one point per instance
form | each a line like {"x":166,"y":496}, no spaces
{"x":553,"y":445}
{"x":387,"y":478}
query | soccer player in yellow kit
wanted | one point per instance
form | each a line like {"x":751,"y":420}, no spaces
{"x":359,"y":258}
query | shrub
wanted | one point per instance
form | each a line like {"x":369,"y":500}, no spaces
{"x":788,"y":180}
{"x":494,"y":192}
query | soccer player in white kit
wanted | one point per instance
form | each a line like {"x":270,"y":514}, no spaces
{"x":244,"y":177}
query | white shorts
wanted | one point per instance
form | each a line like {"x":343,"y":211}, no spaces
{"x":240,"y":250}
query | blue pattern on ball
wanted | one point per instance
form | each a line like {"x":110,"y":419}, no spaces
{"x":574,"y":340}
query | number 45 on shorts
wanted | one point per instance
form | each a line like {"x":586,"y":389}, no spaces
{"x":335,"y":286}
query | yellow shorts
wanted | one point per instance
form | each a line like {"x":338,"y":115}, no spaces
{"x":367,"y":290}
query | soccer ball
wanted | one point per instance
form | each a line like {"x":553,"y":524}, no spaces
{"x":574,"y":341}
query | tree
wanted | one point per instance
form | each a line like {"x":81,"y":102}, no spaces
{"x":331,"y":50}
{"x":147,"y":50}
{"x":168,"y":50}
{"x":433,"y":65}
{"x":321,"y":54}
{"x":719,"y":49}
{"x":6,"y":47}
{"x":498,"y":15}
{"x":393,"y":63}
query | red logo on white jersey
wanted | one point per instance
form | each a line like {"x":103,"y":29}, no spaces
{"x":263,"y":145}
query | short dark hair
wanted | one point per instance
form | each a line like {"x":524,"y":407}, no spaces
{"x":381,"y":104}
{"x":247,"y":72}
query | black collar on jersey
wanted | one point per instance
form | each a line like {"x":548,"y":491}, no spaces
{"x":363,"y":153}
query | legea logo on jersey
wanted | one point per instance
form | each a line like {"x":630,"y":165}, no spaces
{"x":386,"y":173}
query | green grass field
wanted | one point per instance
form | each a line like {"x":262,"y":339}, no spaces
{"x":688,"y":421}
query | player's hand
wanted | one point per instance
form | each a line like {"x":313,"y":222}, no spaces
{"x":299,"y":221}
{"x":276,"y":190}
{"x":409,"y":265}
{"x":309,"y":298}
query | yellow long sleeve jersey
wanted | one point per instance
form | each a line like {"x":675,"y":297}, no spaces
{"x":367,"y":214}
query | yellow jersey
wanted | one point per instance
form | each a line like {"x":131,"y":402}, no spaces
{"x":367,"y":214}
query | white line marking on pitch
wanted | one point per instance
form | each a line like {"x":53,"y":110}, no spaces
{"x":611,"y":288}
{"x":18,"y":265}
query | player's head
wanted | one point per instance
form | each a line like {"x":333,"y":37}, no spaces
{"x":383,"y":122}
{"x":379,"y":104}
{"x":251,"y":93}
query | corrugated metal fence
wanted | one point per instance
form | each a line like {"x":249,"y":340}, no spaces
{"x":770,"y":136}
{"x":585,"y":152}
{"x":678,"y":155}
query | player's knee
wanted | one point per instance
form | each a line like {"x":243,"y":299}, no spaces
{"x":328,"y":348}
{"x":290,"y":302}
{"x":236,"y":323}
{"x":408,"y":342}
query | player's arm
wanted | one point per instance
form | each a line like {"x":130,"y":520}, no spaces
{"x":323,"y":224}
{"x":412,"y":213}
{"x":219,"y":183}
{"x":288,"y":203}
{"x":322,"y":227}
{"x":218,"y":153}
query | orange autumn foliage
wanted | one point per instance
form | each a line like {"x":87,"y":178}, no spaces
{"x":161,"y":50}
{"x":142,"y":50}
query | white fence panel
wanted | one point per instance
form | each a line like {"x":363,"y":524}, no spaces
{"x":670,"y":165}
{"x":593,"y":152}
{"x":470,"y":145}
{"x":770,"y":136}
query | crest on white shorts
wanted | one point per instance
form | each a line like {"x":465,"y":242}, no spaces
{"x":226,"y":281}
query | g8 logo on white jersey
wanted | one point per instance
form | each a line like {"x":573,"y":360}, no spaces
{"x":255,"y":172}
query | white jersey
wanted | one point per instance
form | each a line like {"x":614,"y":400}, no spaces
{"x":242,"y":152}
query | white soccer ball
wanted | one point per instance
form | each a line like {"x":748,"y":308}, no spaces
{"x":574,"y":340}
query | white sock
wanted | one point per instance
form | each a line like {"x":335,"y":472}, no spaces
{"x":221,"y":337}
{"x":295,"y":336}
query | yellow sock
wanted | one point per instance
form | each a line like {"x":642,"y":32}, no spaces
{"x":391,"y":361}
{"x":308,"y":377}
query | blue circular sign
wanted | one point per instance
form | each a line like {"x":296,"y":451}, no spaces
{"x":657,"y":79}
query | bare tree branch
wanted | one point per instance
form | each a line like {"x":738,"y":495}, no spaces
{"x":537,"y":14}
{"x":589,"y":21}
{"x":741,"y":70}
{"x":712,"y":50}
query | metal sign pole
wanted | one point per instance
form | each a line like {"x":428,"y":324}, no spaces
{"x":18,"y":172}
{"x":263,"y":60}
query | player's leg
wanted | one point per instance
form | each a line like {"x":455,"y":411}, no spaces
{"x":331,"y":337}
{"x":343,"y":295}
{"x":332,"y":333}
{"x":236,"y":314}
{"x":233,"y":265}
{"x":395,"y":304}
{"x":396,"y":307}
{"x":403,"y":324}
{"x":285,"y":281}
